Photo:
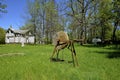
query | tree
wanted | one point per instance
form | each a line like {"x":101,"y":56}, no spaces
{"x":116,"y":17}
{"x":82,"y":19}
{"x":44,"y":18}
{"x":52,"y":19}
{"x":93,"y":28}
{"x":118,"y":35}
{"x":2,"y":36}
{"x":79,"y":10}
{"x":2,"y":7}
{"x":104,"y":17}
{"x":33,"y":21}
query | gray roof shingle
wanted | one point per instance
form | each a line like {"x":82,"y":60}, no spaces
{"x":19,"y":31}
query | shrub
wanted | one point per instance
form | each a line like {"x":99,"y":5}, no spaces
{"x":2,"y":36}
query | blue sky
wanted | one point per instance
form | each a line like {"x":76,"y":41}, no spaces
{"x":14,"y":16}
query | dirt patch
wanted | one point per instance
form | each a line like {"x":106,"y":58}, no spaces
{"x":12,"y":54}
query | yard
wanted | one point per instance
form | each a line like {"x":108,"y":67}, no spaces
{"x":32,"y":62}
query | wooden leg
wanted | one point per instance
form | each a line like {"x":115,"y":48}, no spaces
{"x":76,"y":60}
{"x":73,"y":59}
{"x":70,"y":47}
{"x":74,"y":54}
{"x":54,"y":51}
{"x":57,"y":55}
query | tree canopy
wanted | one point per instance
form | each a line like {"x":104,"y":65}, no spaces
{"x":81,"y":19}
{"x":2,"y":36}
{"x":2,"y":7}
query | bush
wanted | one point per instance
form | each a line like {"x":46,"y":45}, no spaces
{"x":2,"y":36}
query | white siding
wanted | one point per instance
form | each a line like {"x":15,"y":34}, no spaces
{"x":16,"y":39}
{"x":31,"y":39}
{"x":11,"y":38}
{"x":7,"y":40}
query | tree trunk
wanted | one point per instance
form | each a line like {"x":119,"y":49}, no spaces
{"x":114,"y":31}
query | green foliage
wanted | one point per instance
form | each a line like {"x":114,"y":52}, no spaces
{"x":80,"y":18}
{"x":116,"y":9}
{"x":43,"y":18}
{"x":118,"y":34}
{"x":2,"y":36}
{"x":52,"y":17}
{"x":105,"y":16}
{"x":94,"y":63}
{"x":108,"y":32}
{"x":116,"y":16}
{"x":2,"y":7}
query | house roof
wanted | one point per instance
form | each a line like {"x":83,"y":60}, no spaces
{"x":18,"y":31}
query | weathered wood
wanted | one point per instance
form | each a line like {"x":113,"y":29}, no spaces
{"x":61,"y":41}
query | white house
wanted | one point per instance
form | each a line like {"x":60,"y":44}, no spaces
{"x":18,"y":36}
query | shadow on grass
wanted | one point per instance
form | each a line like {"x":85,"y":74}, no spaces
{"x":59,"y":60}
{"x":56,"y":60}
{"x":113,"y":54}
{"x":92,"y":45}
{"x":0,"y":45}
{"x":110,"y":54}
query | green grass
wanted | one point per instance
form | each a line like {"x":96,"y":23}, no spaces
{"x":95,"y":63}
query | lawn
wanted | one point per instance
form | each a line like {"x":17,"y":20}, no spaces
{"x":32,"y":62}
